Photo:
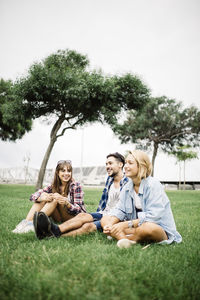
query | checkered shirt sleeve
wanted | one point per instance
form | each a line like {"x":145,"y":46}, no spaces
{"x":76,"y":198}
{"x":34,"y":197}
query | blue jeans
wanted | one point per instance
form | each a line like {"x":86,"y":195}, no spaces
{"x":96,"y":220}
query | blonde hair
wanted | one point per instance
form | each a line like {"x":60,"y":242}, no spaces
{"x":143,"y":162}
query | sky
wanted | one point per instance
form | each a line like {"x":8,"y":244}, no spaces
{"x":157,"y":40}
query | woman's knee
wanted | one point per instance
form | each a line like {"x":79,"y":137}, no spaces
{"x":152,"y":232}
{"x":53,"y":203}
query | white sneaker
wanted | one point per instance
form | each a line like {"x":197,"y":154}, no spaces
{"x":20,"y":225}
{"x":125,"y":243}
{"x":28,"y":228}
{"x":24,"y":226}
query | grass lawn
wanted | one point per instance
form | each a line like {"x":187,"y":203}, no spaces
{"x":92,"y":267}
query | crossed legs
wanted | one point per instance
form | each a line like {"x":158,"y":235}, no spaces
{"x":80,"y":224}
{"x":147,"y":232}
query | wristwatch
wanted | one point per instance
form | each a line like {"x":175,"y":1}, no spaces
{"x":130,"y":224}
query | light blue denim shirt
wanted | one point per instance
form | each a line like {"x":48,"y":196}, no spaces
{"x":155,"y":207}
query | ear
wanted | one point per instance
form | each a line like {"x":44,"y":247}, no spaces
{"x":121,"y":164}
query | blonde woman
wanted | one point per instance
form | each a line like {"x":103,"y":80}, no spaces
{"x":61,"y":200}
{"x":143,"y":213}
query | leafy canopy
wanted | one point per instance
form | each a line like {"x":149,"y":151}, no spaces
{"x":14,"y":120}
{"x":62,"y":85}
{"x":161,"y":122}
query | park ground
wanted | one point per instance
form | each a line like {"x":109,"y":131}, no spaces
{"x":92,"y":267}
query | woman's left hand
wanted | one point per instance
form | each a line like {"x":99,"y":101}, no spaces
{"x":118,"y":228}
{"x":64,"y":201}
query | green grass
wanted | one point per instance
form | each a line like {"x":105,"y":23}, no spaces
{"x":91,"y":267}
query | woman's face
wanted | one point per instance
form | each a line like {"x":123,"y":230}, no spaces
{"x":131,"y":167}
{"x":65,"y":174}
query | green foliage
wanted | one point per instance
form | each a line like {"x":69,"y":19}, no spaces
{"x":62,"y":85}
{"x":183,"y":153}
{"x":161,"y":124}
{"x":14,"y":120}
{"x":92,"y":267}
{"x":122,"y":94}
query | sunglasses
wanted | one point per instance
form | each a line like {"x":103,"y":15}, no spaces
{"x":64,"y":161}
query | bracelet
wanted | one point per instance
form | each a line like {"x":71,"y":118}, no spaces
{"x":130,"y":224}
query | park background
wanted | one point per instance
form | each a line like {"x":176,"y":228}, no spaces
{"x":157,"y":40}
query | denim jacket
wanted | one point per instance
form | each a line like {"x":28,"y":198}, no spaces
{"x":155,"y":207}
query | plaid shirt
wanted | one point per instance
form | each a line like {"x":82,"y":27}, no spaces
{"x":104,"y":197}
{"x":76,"y":197}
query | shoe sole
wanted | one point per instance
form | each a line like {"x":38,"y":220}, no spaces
{"x":37,"y":230}
{"x":35,"y":224}
{"x":47,"y":232}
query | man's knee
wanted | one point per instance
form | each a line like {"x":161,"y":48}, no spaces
{"x":84,"y":217}
{"x":89,"y":227}
{"x":80,"y":215}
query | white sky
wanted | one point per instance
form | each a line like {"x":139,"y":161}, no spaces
{"x":158,"y":40}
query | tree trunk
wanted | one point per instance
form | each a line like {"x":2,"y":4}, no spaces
{"x":53,"y":139}
{"x":184,"y":173}
{"x":179,"y":184}
{"x":155,"y":150}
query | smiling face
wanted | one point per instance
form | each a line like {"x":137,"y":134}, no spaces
{"x":113,"y":166}
{"x":131,"y":167}
{"x":65,"y":173}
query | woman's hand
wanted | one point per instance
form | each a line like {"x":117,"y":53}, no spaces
{"x":57,"y":197}
{"x":61,"y":200}
{"x":118,"y":228}
{"x":46,"y":197}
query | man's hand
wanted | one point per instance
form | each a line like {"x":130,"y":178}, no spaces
{"x":107,"y":229}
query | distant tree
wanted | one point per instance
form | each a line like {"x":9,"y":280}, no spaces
{"x":61,"y":86}
{"x":183,"y":154}
{"x":14,"y":121}
{"x":163,"y":124}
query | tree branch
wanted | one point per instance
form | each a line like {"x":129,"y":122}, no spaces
{"x":70,"y":127}
{"x":174,"y":135}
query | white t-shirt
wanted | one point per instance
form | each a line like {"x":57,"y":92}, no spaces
{"x":113,"y":198}
{"x":138,"y":204}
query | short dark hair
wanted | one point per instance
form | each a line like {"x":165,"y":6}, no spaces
{"x":118,"y":157}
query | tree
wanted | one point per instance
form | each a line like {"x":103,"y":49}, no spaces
{"x":62,"y":86}
{"x":182,"y":154}
{"x":14,"y":121}
{"x":163,"y":124}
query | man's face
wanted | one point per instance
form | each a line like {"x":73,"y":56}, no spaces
{"x":113,"y":166}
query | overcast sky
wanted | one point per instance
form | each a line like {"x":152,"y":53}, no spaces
{"x":157,"y":40}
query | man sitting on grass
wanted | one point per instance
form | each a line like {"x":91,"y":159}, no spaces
{"x":87,"y":222}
